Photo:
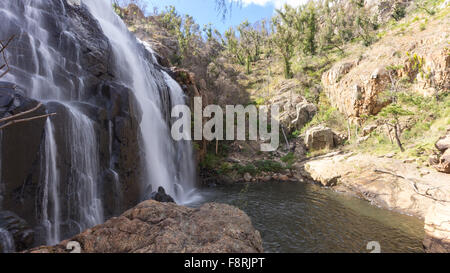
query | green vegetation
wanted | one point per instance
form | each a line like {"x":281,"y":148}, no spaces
{"x":426,"y":119}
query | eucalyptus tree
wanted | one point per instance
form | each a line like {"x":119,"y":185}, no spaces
{"x":283,"y":38}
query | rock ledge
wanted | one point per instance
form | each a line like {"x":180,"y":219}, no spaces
{"x":153,"y":227}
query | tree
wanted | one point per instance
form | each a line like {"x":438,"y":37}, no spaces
{"x":331,"y":22}
{"x":283,"y":38}
{"x":309,"y":19}
{"x":245,"y":43}
{"x":170,"y":20}
{"x":209,"y":32}
{"x":424,"y":5}
{"x":364,"y":24}
{"x":394,"y":111}
{"x":187,"y":36}
{"x":231,"y":43}
{"x":399,"y":12}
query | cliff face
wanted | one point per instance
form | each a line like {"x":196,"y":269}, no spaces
{"x":354,"y":84}
{"x":61,"y":56}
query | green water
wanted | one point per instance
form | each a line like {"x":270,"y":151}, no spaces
{"x":304,"y":218}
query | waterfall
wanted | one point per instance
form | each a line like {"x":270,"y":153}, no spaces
{"x":51,"y":179}
{"x":139,"y":75}
{"x":182,"y":155}
{"x":54,"y":58}
{"x":1,"y":183}
{"x":47,"y":72}
{"x":6,"y":241}
{"x":83,"y":181}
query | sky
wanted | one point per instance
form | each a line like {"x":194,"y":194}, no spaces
{"x":204,"y":11}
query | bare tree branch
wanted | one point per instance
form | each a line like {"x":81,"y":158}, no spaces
{"x":3,"y":54}
{"x":21,"y":114}
{"x":25,"y":120}
{"x":13,"y":119}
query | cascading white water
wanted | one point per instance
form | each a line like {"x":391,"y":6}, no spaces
{"x":139,"y":75}
{"x":52,"y":222}
{"x":85,"y":166}
{"x":115,"y":175}
{"x":40,"y":73}
{"x":1,"y":183}
{"x":183,"y":152}
{"x":52,"y":63}
{"x":6,"y":241}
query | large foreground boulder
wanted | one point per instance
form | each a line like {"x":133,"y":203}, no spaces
{"x":154,"y":227}
{"x":318,"y":138}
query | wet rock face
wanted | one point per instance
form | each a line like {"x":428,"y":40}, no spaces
{"x":20,"y":153}
{"x":154,"y":227}
{"x":21,"y":232}
{"x":70,"y":30}
{"x":81,"y":61}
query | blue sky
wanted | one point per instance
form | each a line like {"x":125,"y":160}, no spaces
{"x":204,"y":11}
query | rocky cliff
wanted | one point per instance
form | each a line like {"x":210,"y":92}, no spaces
{"x":354,"y":85}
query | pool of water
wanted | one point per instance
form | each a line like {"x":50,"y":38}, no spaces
{"x":305,"y":218}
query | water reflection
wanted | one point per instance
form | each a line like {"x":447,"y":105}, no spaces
{"x":303,"y":218}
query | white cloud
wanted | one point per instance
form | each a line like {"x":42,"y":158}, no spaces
{"x":276,"y":3}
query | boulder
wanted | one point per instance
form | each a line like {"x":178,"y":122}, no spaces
{"x":304,"y":113}
{"x":444,"y":143}
{"x":318,"y":138}
{"x":437,"y":228}
{"x":19,"y":230}
{"x":441,"y":160}
{"x":153,"y":227}
{"x":295,"y":110}
{"x":444,"y":162}
{"x":161,"y":196}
